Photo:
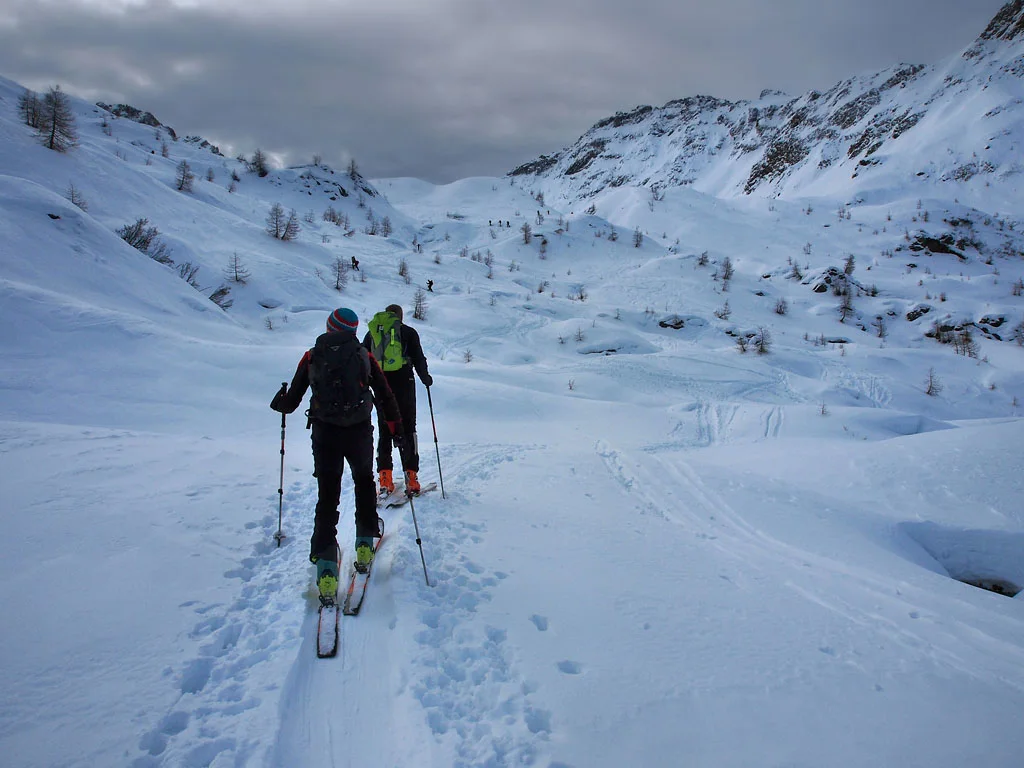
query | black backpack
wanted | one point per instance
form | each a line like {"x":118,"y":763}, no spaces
{"x":339,"y":373}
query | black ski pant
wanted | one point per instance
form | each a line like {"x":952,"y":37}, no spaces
{"x":332,"y":447}
{"x":403,"y":385}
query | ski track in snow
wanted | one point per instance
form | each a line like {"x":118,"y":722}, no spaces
{"x":858,"y":384}
{"x":466,"y":679}
{"x":462,"y":679}
{"x":521,"y":329}
{"x":210,"y":722}
{"x":772,"y":419}
{"x":463,"y":675}
{"x":715,"y":423}
{"x":900,"y":614}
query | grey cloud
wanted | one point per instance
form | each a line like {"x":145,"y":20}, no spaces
{"x":454,"y":88}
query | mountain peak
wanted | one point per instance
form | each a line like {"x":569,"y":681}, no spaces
{"x":1007,"y":24}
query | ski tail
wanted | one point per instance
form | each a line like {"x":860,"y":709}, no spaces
{"x":327,"y":640}
{"x":327,"y":631}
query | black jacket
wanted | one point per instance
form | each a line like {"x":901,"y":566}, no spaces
{"x":382,"y":394}
{"x":412,"y":351}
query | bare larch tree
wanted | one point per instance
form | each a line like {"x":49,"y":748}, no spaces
{"x":57,"y":121}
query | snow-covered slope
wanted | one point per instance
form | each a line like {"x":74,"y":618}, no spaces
{"x":954,"y":129}
{"x":654,"y":549}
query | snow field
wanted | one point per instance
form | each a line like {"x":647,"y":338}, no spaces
{"x":680,"y":560}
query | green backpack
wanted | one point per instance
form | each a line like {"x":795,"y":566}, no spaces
{"x":386,"y":335}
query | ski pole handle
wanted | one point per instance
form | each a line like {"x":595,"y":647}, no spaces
{"x":281,"y":393}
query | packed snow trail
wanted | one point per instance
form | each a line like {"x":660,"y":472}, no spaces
{"x":417,"y":680}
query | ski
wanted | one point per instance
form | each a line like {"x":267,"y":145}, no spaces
{"x":327,"y":624}
{"x":327,"y":631}
{"x":402,"y":500}
{"x":385,"y":499}
{"x":358,"y":583}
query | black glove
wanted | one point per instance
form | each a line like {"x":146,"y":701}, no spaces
{"x":277,"y":403}
{"x":427,"y":380}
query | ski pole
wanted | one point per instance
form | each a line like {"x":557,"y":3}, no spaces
{"x":419,"y":542}
{"x":430,"y":402}
{"x":280,"y":488}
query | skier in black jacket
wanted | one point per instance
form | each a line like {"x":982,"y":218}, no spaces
{"x":342,"y":375}
{"x":397,"y":347}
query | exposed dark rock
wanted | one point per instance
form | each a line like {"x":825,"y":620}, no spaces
{"x":943,"y":244}
{"x":855,"y":110}
{"x":905,"y":123}
{"x":593,"y":151}
{"x":203,"y":144}
{"x":836,"y":280}
{"x":917,"y":312}
{"x":672,"y":321}
{"x":694,"y":106}
{"x":538,"y":166}
{"x":903,"y":75}
{"x":779,"y":157}
{"x":625,"y":118}
{"x":1007,"y":24}
{"x":136,"y":115}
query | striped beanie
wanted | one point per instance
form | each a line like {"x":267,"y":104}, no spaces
{"x":342,"y":319}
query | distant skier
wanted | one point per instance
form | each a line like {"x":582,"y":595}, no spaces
{"x":342,"y":374}
{"x":398,"y":348}
{"x":355,"y":264}
{"x":430,"y":286}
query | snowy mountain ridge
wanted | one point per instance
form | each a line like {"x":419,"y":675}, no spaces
{"x":956,"y":120}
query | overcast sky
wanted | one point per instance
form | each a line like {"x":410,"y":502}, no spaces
{"x":446,"y":89}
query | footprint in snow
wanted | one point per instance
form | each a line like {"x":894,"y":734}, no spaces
{"x":570,"y":667}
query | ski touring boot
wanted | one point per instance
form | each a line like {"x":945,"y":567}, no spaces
{"x":327,"y":578}
{"x":364,"y":553}
{"x":412,"y":484}
{"x":386,"y":483}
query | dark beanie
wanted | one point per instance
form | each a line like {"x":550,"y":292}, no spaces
{"x":342,"y":319}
